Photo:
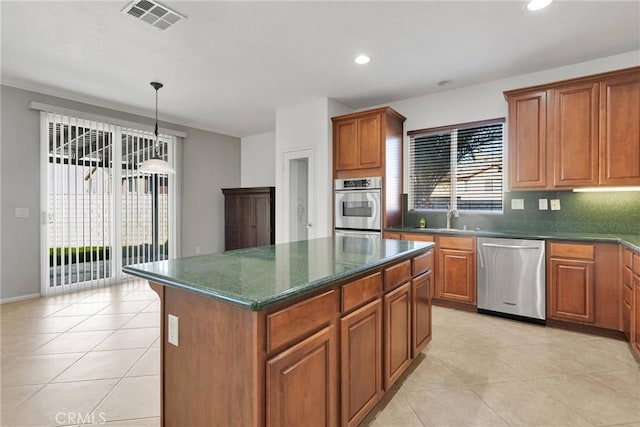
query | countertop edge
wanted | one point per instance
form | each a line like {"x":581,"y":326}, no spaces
{"x":519,"y":234}
{"x":258,"y":305}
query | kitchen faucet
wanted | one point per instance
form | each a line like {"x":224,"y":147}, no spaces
{"x":451,"y":212}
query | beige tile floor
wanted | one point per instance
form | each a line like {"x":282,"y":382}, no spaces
{"x":93,"y":358}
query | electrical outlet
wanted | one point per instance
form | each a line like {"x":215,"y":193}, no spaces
{"x":543,"y":204}
{"x":173,"y":333}
{"x":517,"y":204}
{"x":555,"y":204}
{"x":198,"y":250}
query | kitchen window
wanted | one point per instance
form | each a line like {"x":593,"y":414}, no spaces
{"x":458,"y":167}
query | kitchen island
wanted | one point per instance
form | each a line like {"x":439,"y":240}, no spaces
{"x":303,"y":333}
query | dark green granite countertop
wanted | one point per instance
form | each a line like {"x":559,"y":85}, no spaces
{"x":632,"y":241}
{"x":257,"y":278}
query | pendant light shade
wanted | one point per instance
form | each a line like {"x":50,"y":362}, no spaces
{"x":156,"y":165}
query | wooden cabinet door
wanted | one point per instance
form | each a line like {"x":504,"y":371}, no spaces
{"x":457,"y":275}
{"x":346,"y":144}
{"x":361,"y":333}
{"x":247,"y":221}
{"x":627,"y":300}
{"x":397,"y":333}
{"x":302,"y":382}
{"x":421,"y":313}
{"x":262,"y":220}
{"x":369,"y":142}
{"x":528,"y":141}
{"x":571,"y":290}
{"x":635,"y":321}
{"x":573,"y":136}
{"x":620,"y":131}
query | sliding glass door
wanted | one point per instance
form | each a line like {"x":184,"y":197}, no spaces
{"x":99,"y":212}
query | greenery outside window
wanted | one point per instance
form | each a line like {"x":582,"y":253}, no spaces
{"x":457,"y":167}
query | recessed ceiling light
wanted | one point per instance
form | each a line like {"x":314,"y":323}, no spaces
{"x":538,"y":4}
{"x":362,"y":59}
{"x":444,"y":82}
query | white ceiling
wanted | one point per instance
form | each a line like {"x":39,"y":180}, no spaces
{"x":230,"y":65}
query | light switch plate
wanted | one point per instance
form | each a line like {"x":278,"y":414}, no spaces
{"x":173,"y":333}
{"x":517,"y":204}
{"x":555,"y":204}
{"x":22,"y":212}
{"x":543,"y":204}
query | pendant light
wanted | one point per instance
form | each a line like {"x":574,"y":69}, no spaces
{"x":156,"y":165}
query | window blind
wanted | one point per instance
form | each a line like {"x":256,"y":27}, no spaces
{"x":457,"y":166}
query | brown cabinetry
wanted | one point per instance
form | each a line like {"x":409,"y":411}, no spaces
{"x":627,"y":291}
{"x":361,"y":340}
{"x":456,"y":279}
{"x":358,"y":142}
{"x":620,"y":130}
{"x":422,"y":290}
{"x":635,"y":313}
{"x":583,"y":284}
{"x":576,"y":133}
{"x":301,"y":386}
{"x":397,"y":333}
{"x":249,"y":217}
{"x":528,"y":140}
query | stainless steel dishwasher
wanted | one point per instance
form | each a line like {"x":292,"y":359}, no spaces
{"x":511,"y":278}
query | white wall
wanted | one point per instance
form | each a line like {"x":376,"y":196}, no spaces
{"x":258,"y":160}
{"x":306,"y":126}
{"x":210,"y":161}
{"x":486,"y":101}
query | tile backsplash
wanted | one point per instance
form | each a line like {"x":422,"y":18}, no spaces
{"x":607,"y":212}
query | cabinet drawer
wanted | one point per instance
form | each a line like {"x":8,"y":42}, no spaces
{"x":421,"y":264}
{"x":388,"y":235}
{"x":464,"y":243}
{"x":636,"y":263}
{"x":627,"y":295}
{"x":570,"y":250}
{"x":361,"y":291}
{"x":627,"y":258}
{"x":296,"y":321}
{"x":396,"y":275}
{"x":419,"y":237}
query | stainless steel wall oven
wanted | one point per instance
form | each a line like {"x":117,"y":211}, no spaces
{"x":358,"y":205}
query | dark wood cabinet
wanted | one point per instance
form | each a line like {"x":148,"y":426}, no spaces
{"x":361,"y":362}
{"x":571,"y":295}
{"x":301,"y":383}
{"x":575,"y":133}
{"x":627,"y":291}
{"x":249,"y":217}
{"x":457,"y":269}
{"x":397,"y":333}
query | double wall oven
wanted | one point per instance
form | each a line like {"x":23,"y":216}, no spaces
{"x":358,"y":207}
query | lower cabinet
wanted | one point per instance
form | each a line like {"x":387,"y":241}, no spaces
{"x":361,"y":338}
{"x":635,"y":314}
{"x":397,"y":333}
{"x":422,"y":289}
{"x":571,"y":290}
{"x":301,"y":383}
{"x":457,"y":270}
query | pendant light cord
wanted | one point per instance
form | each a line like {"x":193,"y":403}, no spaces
{"x":156,"y":148}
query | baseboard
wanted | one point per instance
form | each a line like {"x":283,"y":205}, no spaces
{"x":454,"y":304}
{"x":18,"y":298}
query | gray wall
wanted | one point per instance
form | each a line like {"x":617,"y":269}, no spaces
{"x":210,"y":161}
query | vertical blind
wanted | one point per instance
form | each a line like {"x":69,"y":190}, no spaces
{"x":100,"y":212}
{"x":457,"y":166}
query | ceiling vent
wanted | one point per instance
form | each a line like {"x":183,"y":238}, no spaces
{"x":153,"y":13}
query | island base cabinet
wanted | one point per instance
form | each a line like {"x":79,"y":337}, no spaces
{"x":422,"y":288}
{"x":397,"y":333}
{"x":301,"y":383}
{"x":361,"y":362}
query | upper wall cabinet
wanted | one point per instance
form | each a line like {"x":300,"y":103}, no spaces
{"x":361,"y":142}
{"x":576,"y":133}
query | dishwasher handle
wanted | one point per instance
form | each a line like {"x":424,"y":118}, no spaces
{"x":495,"y":245}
